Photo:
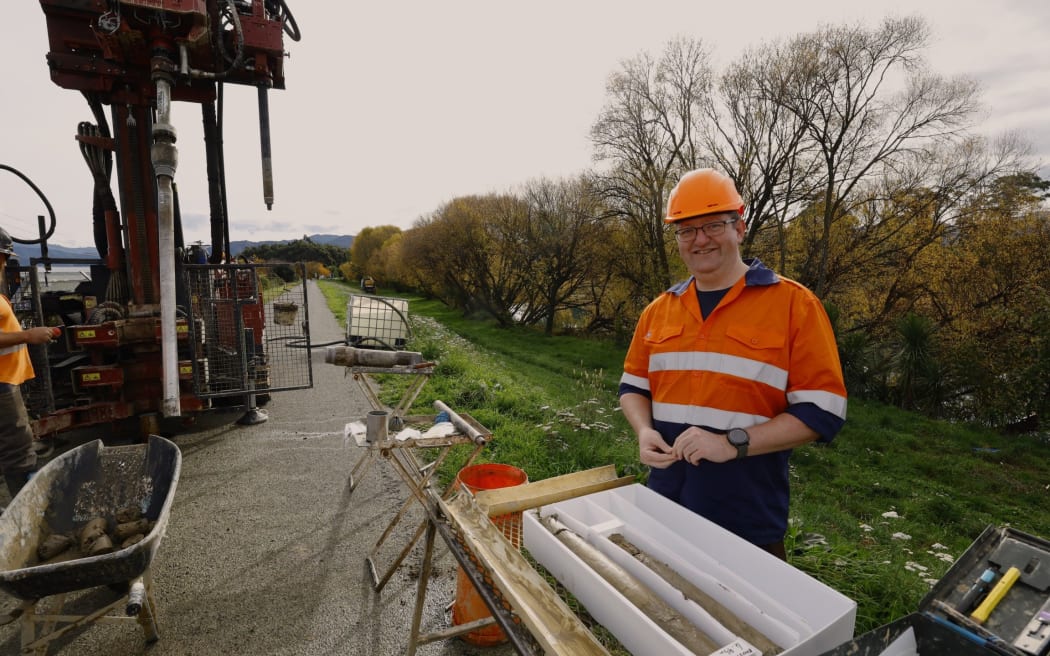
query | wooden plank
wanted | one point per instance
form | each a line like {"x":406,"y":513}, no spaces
{"x":550,"y":490}
{"x":550,"y":621}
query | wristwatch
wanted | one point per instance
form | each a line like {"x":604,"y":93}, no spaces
{"x":739,"y":438}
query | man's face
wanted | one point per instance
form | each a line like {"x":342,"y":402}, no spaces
{"x":714,"y":248}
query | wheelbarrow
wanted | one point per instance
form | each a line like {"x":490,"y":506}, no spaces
{"x":89,"y":482}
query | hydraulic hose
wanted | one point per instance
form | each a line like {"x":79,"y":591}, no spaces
{"x":50,"y":210}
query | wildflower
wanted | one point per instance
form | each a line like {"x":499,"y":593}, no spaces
{"x":892,"y":514}
{"x":900,"y":536}
{"x":938,"y":546}
{"x":915,"y":567}
{"x":866,"y":528}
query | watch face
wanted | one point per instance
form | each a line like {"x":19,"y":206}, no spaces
{"x":738,"y":436}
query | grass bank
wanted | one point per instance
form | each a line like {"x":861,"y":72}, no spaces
{"x":879,"y":514}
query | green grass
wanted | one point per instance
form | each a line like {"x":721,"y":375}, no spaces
{"x":878,"y":514}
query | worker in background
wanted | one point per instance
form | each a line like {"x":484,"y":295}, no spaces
{"x":728,"y":371}
{"x":17,"y":457}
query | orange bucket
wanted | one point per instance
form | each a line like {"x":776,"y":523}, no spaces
{"x":469,"y":606}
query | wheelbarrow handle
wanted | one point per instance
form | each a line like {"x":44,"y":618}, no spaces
{"x":136,"y":596}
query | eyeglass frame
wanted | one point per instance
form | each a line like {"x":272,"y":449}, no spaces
{"x":705,"y":228}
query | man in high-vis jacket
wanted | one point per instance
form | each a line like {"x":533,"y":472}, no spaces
{"x":17,"y":457}
{"x":728,"y":371}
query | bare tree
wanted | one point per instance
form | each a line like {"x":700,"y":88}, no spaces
{"x":761,"y":144}
{"x":922,"y":204}
{"x":646,"y":132}
{"x":560,"y":240}
{"x":842,"y":90}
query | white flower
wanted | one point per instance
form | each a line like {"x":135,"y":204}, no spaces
{"x":938,"y":546}
{"x":900,"y":536}
{"x":892,"y":514}
{"x":915,"y":567}
{"x":866,"y":528}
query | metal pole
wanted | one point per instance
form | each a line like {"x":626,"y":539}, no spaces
{"x":165,"y":157}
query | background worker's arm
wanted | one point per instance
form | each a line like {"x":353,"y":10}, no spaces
{"x":652,"y":449}
{"x":39,"y":335}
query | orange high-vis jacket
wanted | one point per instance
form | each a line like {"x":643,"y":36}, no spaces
{"x":768,"y":345}
{"x":15,"y":366}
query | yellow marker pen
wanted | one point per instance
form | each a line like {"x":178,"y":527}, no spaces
{"x":996,"y":595}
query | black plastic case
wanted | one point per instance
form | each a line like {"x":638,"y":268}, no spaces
{"x":944,"y":622}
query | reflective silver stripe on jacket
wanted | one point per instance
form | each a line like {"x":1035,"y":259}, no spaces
{"x":8,"y":350}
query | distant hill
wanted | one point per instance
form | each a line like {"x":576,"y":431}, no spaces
{"x":342,"y":241}
{"x":27,"y":251}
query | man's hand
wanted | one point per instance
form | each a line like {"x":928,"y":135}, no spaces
{"x":39,"y":335}
{"x":696,"y":444}
{"x":653,"y":451}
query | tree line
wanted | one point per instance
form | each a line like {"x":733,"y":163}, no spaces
{"x":864,"y":179}
{"x":319,"y":259}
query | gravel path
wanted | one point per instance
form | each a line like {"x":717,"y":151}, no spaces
{"x":265,"y":548}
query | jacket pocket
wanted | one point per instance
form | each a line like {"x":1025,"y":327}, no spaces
{"x":756,"y":337}
{"x":662,"y":333}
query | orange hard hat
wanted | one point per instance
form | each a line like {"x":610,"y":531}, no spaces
{"x":703,"y":191}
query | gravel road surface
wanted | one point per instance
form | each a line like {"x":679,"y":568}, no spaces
{"x":265,"y":549}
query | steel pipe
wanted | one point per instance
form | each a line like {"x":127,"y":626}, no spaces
{"x":164,"y":155}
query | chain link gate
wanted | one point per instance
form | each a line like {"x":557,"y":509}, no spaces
{"x":249,"y":327}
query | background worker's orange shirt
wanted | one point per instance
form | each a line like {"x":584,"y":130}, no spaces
{"x":15,"y":366}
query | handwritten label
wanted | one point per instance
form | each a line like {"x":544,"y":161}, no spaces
{"x":738,"y":647}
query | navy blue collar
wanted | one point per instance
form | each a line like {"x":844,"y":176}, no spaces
{"x":757,"y":274}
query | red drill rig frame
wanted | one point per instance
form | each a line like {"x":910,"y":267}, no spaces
{"x":158,"y":334}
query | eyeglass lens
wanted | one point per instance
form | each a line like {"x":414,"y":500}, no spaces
{"x":712,"y":229}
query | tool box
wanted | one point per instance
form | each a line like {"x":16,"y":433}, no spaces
{"x":995,"y":599}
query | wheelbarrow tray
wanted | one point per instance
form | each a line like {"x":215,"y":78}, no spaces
{"x":89,"y":481}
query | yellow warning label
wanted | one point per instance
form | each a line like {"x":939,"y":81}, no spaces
{"x":85,"y":334}
{"x":88,"y":378}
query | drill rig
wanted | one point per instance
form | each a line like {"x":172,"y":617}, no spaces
{"x":161,"y":337}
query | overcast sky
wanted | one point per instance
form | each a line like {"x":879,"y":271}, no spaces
{"x":393,"y":108}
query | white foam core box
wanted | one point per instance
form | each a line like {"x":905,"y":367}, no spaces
{"x":794,"y":610}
